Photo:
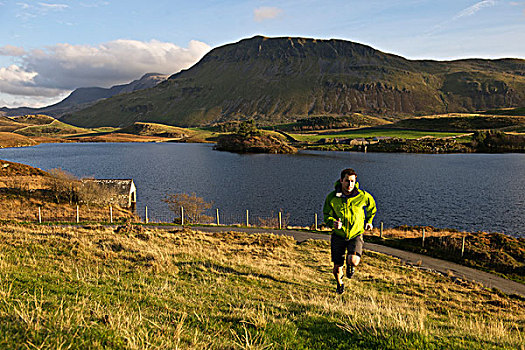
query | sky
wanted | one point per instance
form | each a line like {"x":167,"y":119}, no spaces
{"x":49,"y":48}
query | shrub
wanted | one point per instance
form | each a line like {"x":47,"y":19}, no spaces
{"x":194,"y":207}
{"x":63,"y":185}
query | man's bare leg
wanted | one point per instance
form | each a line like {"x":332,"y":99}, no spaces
{"x":351,"y":262}
{"x":338,"y":274}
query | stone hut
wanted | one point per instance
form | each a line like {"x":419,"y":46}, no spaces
{"x":359,"y":142}
{"x":123,"y":191}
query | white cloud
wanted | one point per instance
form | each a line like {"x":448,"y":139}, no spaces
{"x":16,"y":81}
{"x":29,"y":101}
{"x":29,"y":11}
{"x":264,"y":13}
{"x":10,"y":50}
{"x":469,"y":11}
{"x":53,"y":6}
{"x":23,"y":5}
{"x":94,"y":4}
{"x":61,"y":68}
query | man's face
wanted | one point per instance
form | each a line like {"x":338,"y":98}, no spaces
{"x":348,"y":183}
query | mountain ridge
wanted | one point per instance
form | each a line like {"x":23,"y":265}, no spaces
{"x":85,"y":96}
{"x":275,"y":80}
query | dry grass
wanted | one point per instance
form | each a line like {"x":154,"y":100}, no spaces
{"x":27,"y":209}
{"x":492,"y":252}
{"x":34,"y":119}
{"x":416,"y":232}
{"x":9,"y":139}
{"x":136,"y":288}
{"x":24,"y":190}
{"x":155,"y":129}
{"x":9,"y":125}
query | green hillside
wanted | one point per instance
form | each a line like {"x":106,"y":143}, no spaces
{"x":461,"y":123}
{"x":280,"y":80}
{"x":54,"y":128}
{"x":34,"y":119}
{"x":520,"y":111}
{"x":129,"y":287}
{"x":154,"y":129}
{"x":8,"y":124}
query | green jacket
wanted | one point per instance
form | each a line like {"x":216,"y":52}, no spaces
{"x":351,"y":211}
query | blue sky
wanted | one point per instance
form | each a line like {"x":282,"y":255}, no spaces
{"x":49,"y":48}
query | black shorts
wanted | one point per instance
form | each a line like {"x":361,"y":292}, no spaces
{"x":339,"y":246}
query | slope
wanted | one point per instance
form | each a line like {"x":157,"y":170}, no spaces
{"x":86,"y":96}
{"x":132,"y":287}
{"x":279,"y":80}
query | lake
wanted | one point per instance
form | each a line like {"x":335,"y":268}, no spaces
{"x":463,"y":191}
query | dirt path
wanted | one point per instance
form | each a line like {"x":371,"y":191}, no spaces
{"x":444,"y":267}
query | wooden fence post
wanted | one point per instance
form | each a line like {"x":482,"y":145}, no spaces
{"x":110,"y":213}
{"x":39,"y":215}
{"x":218,"y":222}
{"x":423,"y":239}
{"x":146,"y":219}
{"x":316,"y":221}
{"x":182,"y":216}
{"x":280,"y":221}
{"x":78,"y":217}
{"x":381,"y":231}
{"x":463,"y":246}
{"x":247,"y":218}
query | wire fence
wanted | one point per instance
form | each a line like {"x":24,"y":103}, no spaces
{"x":116,"y":215}
{"x":110,"y":214}
{"x":279,"y":219}
{"x":69,"y":214}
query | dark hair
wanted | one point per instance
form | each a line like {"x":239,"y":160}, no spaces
{"x":348,"y":171}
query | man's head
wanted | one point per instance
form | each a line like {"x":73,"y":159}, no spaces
{"x":348,"y":180}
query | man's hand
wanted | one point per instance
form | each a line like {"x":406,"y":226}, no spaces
{"x":338,"y":224}
{"x":369,"y":226}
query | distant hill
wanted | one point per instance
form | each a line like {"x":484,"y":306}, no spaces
{"x":153,"y":129}
{"x":520,"y":111}
{"x":461,"y":122}
{"x":55,"y":128}
{"x":84,"y":97}
{"x":281,"y":80}
{"x":38,"y":125}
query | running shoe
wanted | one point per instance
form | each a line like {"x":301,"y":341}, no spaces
{"x":350,"y":269}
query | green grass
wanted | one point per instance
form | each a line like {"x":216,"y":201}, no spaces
{"x":56,"y":127}
{"x":507,"y":111}
{"x":372,"y":132}
{"x":135,"y":288}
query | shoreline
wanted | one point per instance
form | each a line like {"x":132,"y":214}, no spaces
{"x":299,"y":146}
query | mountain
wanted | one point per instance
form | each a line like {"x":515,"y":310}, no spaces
{"x":277,"y":80}
{"x":84,"y":97}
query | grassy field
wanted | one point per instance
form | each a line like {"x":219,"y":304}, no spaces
{"x":457,"y":122}
{"x":54,"y":128}
{"x":520,"y":111}
{"x":9,"y":139}
{"x":372,"y":132}
{"x":135,"y":288}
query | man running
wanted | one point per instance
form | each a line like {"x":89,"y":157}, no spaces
{"x":349,"y":211}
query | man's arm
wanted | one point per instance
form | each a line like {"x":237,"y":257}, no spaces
{"x":328,"y":213}
{"x":371,"y":211}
